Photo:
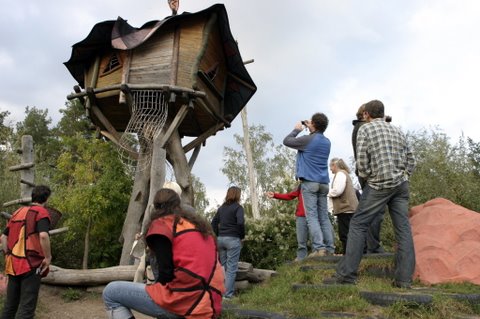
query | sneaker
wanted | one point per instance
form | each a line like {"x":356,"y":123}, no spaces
{"x":337,"y":280}
{"x":318,"y":253}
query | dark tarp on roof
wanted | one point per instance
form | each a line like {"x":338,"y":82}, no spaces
{"x":120,"y":35}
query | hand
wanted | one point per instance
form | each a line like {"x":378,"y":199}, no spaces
{"x":44,"y":265}
{"x":269,"y":194}
{"x":299,"y":126}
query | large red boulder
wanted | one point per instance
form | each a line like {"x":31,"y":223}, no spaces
{"x":447,"y":242}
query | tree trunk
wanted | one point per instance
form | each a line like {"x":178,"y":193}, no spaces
{"x":88,"y":277}
{"x":252,"y":179}
{"x":179,"y":162}
{"x":136,"y":209}
{"x":86,"y":248}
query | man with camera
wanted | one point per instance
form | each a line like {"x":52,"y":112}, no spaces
{"x":385,"y":161}
{"x":312,"y":171}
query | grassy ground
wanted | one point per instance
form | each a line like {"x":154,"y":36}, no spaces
{"x":297,"y":292}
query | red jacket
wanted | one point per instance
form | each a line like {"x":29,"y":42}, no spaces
{"x":292,"y":195}
{"x":24,"y":251}
{"x":197,"y":288}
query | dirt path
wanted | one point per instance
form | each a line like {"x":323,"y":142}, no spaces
{"x":54,"y":303}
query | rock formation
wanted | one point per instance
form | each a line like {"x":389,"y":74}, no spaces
{"x":447,"y":242}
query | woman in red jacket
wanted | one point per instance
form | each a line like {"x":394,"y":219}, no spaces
{"x":300,"y":220}
{"x":189,"y":277}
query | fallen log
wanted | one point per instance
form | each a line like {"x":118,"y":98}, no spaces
{"x":88,"y":277}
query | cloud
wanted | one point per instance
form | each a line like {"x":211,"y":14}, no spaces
{"x":419,"y":57}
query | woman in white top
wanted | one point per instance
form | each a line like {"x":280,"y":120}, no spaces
{"x":344,"y":199}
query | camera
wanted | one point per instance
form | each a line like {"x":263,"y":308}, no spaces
{"x":304,"y":122}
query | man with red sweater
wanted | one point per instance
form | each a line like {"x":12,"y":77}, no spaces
{"x":300,"y":220}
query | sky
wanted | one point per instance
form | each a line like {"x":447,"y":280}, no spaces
{"x":421,"y":58}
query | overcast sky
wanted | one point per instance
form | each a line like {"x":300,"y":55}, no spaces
{"x":421,"y":58}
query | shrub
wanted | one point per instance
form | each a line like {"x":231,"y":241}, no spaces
{"x":270,"y":241}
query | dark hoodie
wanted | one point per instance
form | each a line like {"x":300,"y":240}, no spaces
{"x":356,"y":125}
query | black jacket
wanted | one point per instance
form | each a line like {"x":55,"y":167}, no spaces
{"x":229,"y":221}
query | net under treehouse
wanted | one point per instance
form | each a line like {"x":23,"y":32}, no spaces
{"x":183,"y":73}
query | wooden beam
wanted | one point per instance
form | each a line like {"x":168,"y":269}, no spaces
{"x":96,"y":70}
{"x":146,"y":86}
{"x":57,"y":231}
{"x":248,"y":85}
{"x":194,"y":156}
{"x":125,"y":76}
{"x":130,"y":152}
{"x":206,"y":105}
{"x":24,"y":200}
{"x":174,"y":125}
{"x":175,"y":56}
{"x":27,"y":183}
{"x":21,"y":167}
{"x":98,"y":113}
{"x":200,"y":139}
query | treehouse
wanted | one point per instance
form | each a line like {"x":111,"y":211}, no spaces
{"x":189,"y":65}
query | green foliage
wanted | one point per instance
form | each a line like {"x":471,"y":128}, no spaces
{"x":36,"y":124}
{"x":274,"y":165}
{"x":445,"y":170}
{"x":270,"y":241}
{"x":92,"y":186}
{"x":200,"y":195}
{"x":8,"y":157}
{"x":71,"y":294}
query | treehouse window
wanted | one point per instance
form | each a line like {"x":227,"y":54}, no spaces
{"x":113,"y":64}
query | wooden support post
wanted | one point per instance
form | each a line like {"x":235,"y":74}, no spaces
{"x":136,"y":209}
{"x":173,"y":125}
{"x":194,"y":156}
{"x":28,"y":172}
{"x":179,"y":162}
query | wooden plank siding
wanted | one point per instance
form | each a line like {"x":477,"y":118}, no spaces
{"x":151,"y":62}
{"x":191,"y":37}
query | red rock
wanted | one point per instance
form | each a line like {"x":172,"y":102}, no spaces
{"x":447,"y":242}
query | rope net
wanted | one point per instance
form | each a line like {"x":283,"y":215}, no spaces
{"x":149,"y":114}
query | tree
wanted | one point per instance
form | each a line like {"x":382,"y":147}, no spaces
{"x":274,"y":165}
{"x":9,"y":181}
{"x":444,"y":169}
{"x":36,"y":124}
{"x":47,"y":148}
{"x":252,"y":174}
{"x":73,"y":121}
{"x":200,"y":194}
{"x":92,"y":189}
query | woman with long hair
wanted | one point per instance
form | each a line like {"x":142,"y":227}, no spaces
{"x":189,"y":281}
{"x":229,"y":226}
{"x":343,"y":198}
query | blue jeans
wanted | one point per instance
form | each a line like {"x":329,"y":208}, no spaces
{"x":302,"y":237}
{"x":373,"y":236}
{"x":372,"y":203}
{"x":229,"y":252}
{"x":316,"y":210}
{"x":121,"y":296}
